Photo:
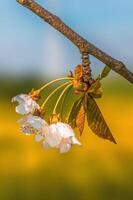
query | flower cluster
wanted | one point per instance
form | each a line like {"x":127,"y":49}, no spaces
{"x":55,"y":135}
{"x":58,"y":132}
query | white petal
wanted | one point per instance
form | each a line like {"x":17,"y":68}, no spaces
{"x":75,"y":141}
{"x":22,"y":109}
{"x":26,"y":104}
{"x":64,"y":147}
{"x":35,"y":105}
{"x":53,"y":138}
{"x":26,"y":130}
{"x":24,"y":119}
{"x":64,"y":130}
{"x":39,"y":138}
{"x":32,"y":105}
{"x":20,"y":98}
{"x":36,"y":122}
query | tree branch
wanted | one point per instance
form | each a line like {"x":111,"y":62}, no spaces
{"x":83,"y":45}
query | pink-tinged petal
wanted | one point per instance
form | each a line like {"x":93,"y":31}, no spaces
{"x":45,"y":130}
{"x":39,"y":138}
{"x":64,"y":147}
{"x":53,"y":138}
{"x":32,"y":105}
{"x":27,"y":130}
{"x":34,"y":125}
{"x":24,"y":119}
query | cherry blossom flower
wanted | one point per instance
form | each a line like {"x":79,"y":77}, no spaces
{"x":26,"y":104}
{"x":60,"y":136}
{"x":31,"y":124}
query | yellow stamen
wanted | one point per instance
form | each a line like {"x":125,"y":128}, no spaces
{"x":54,"y":81}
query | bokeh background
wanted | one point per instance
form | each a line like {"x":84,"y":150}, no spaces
{"x":31,"y":53}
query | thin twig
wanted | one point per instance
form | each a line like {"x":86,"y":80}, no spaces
{"x":83,"y":45}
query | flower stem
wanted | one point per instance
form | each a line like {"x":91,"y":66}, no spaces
{"x":54,"y":81}
{"x":61,"y":95}
{"x":53,"y":92}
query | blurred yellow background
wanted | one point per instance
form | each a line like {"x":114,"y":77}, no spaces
{"x":98,"y":170}
{"x":30,"y":50}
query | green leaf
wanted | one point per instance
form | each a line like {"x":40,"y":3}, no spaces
{"x":74,"y":112}
{"x":64,"y":104}
{"x":105,"y":72}
{"x":95,"y":86}
{"x":96,"y":120}
{"x":95,"y":89}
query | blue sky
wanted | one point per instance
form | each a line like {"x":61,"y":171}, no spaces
{"x":27,"y":44}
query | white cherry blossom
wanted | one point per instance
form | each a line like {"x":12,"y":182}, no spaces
{"x":31,"y":124}
{"x":26,"y":104}
{"x":60,"y":136}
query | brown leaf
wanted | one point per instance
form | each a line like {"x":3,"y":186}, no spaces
{"x":74,"y":112}
{"x":78,"y":72}
{"x":80,"y":119}
{"x":97,"y":93}
{"x":96,"y":121}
